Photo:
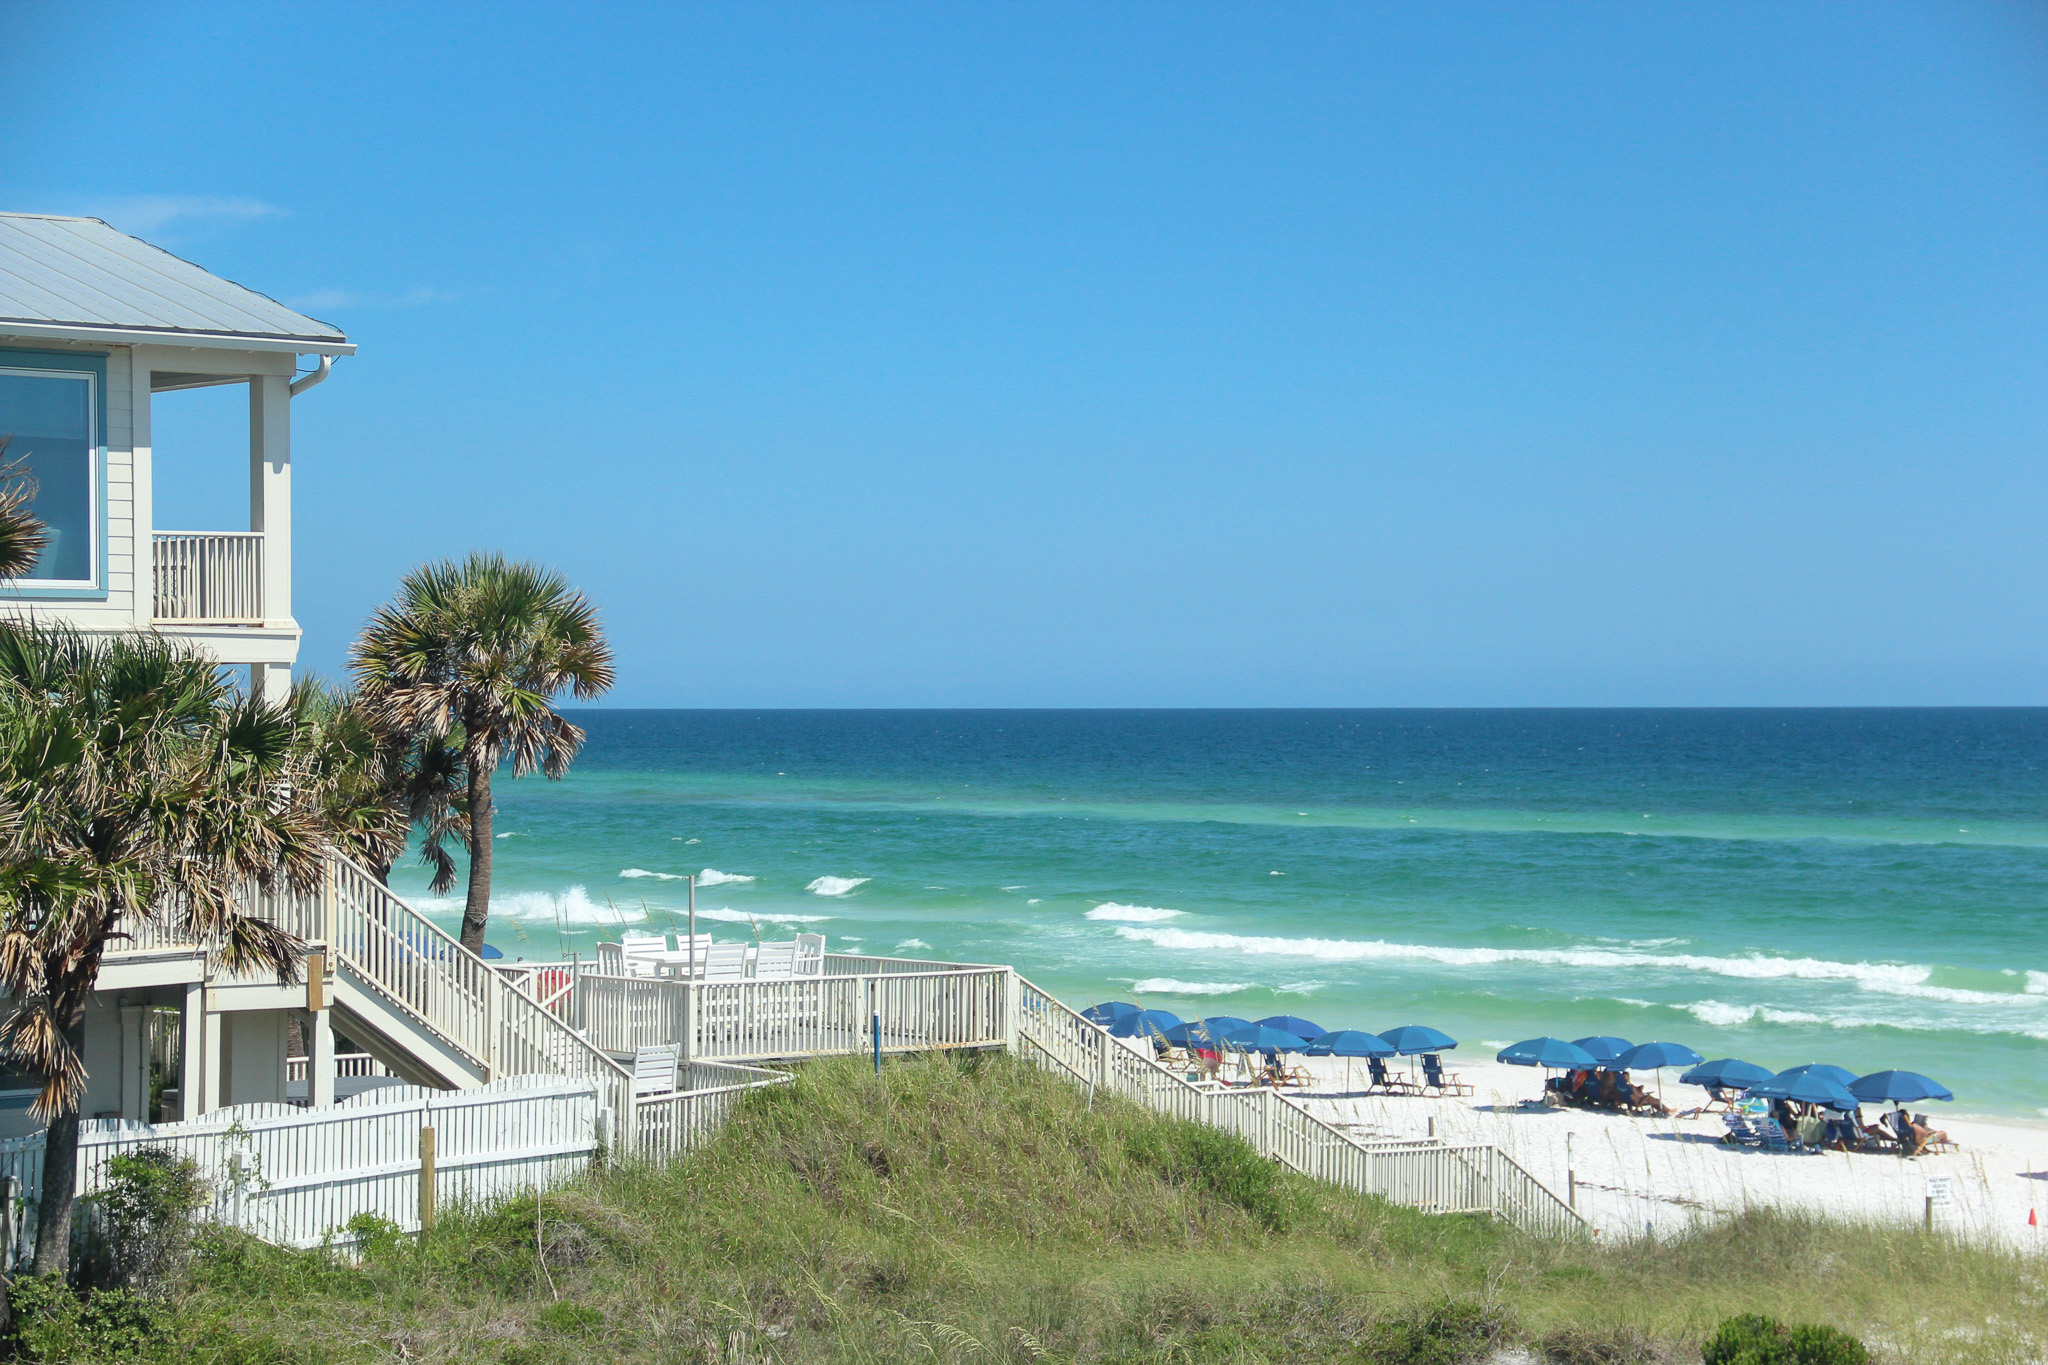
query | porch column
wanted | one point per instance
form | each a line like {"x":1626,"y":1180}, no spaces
{"x":134,"y":1063}
{"x":270,"y":489}
{"x":192,"y":1061}
{"x":320,"y":1059}
{"x":210,"y":1068}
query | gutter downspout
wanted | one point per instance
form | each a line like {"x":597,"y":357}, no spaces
{"x":307,"y":381}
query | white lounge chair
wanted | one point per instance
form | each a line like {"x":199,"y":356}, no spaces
{"x":654,"y":1070}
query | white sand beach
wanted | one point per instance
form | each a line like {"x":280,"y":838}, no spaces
{"x":1645,"y":1176}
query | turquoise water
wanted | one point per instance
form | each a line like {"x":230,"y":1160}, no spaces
{"x":1866,"y":887}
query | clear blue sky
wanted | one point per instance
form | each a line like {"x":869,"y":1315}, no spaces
{"x":1130,"y":355}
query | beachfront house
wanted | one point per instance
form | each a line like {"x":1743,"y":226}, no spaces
{"x":93,"y":325}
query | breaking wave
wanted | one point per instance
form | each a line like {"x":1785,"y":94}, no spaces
{"x":1166,"y":985}
{"x":659,"y":876}
{"x":1130,"y":914}
{"x":728,"y":915}
{"x":1908,"y":979}
{"x":835,"y":886}
{"x":711,"y":876}
{"x":572,"y":906}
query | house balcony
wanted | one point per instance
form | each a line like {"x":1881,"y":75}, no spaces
{"x":207,"y":578}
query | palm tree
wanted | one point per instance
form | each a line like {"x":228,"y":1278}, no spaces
{"x":136,"y":787}
{"x":475,"y":652}
{"x":22,"y":537}
{"x":373,"y":785}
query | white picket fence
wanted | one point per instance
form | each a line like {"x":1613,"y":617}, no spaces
{"x":297,"y":1176}
{"x":1434,"y":1177}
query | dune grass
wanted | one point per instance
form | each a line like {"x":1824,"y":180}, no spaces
{"x":974,"y":1209}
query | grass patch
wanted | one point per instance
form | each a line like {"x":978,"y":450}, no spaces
{"x":975,"y":1210}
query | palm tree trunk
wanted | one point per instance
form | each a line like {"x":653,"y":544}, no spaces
{"x":60,"y":1156}
{"x":476,"y":911}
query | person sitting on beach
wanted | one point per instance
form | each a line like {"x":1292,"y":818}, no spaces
{"x":1643,"y":1102}
{"x":1608,"y":1094}
{"x":1925,"y":1132}
{"x":1909,"y":1139}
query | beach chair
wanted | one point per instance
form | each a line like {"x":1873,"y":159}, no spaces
{"x":1740,"y":1131}
{"x":1384,"y":1080}
{"x":654,"y":1070}
{"x":1433,"y":1077}
{"x":611,"y":960}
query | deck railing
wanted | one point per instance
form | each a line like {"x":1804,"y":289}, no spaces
{"x":1435,"y":1177}
{"x":933,"y":1007}
{"x":208,"y":577}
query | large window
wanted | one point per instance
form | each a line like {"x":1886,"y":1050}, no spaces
{"x":47,"y":417}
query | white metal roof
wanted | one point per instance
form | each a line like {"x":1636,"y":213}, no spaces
{"x":77,"y":278}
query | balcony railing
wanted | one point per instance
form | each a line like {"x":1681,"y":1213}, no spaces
{"x":209,"y":577}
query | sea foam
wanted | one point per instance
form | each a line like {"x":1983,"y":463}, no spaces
{"x":572,"y":906}
{"x":633,"y":872}
{"x":1166,"y":985}
{"x":1897,"y":978}
{"x":835,"y":886}
{"x":1130,"y":914}
{"x":711,"y":876}
{"x":728,"y":915}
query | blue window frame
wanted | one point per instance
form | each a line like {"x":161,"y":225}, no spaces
{"x":53,"y":414}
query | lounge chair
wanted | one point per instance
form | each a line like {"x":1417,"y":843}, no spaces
{"x":1382,"y":1080}
{"x":1741,"y":1132}
{"x":1433,"y":1077}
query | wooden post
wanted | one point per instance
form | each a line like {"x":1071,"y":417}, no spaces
{"x":1927,"y":1219}
{"x":426,"y":1181}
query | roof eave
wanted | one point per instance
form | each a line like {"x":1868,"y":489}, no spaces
{"x":172,"y":336}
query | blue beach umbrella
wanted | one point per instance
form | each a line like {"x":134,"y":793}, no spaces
{"x":1727,"y":1073}
{"x":1259,"y":1038}
{"x":1808,"y":1088}
{"x":1204,"y":1032}
{"x":1838,"y":1075}
{"x":1550,"y":1053}
{"x":1288,"y":1023}
{"x":1603,"y":1049}
{"x":1898,"y":1087}
{"x":1349,"y":1042}
{"x":1144,"y":1024}
{"x":1410,"y":1039}
{"x":1656,"y":1056}
{"x":487,"y":952}
{"x":1110,"y":1013}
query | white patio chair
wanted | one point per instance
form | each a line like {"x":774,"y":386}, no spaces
{"x":810,"y":955}
{"x":726,"y":962}
{"x":775,"y":959}
{"x":611,"y":959}
{"x":654,"y":1070}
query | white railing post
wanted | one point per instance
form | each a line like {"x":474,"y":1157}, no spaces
{"x":687,"y":1045}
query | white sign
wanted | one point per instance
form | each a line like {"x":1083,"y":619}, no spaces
{"x":1940,"y":1193}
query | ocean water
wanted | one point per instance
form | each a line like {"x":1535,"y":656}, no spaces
{"x":1865,"y":887}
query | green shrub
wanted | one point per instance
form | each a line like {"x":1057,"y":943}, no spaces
{"x":1221,"y":1163}
{"x":1451,"y":1332}
{"x":1752,"y":1339}
{"x":104,"y":1326}
{"x":137,"y":1232}
{"x":374,"y":1235}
